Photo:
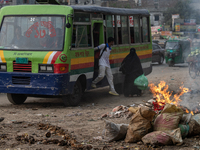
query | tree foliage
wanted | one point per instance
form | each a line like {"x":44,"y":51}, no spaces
{"x":184,"y":10}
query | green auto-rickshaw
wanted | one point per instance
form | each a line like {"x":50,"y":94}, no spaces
{"x":176,"y":51}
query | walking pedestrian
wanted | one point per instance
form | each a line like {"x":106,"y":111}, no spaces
{"x":132,"y":68}
{"x":104,"y":65}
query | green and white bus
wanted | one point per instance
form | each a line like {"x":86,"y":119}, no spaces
{"x":48,"y":50}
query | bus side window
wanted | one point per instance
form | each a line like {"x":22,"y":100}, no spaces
{"x":141,"y":30}
{"x":110,"y":27}
{"x":81,"y":36}
{"x":145,"y":30}
{"x":119,"y":29}
{"x":148,"y":30}
{"x":131,"y":25}
{"x":125,"y":37}
{"x":136,"y":29}
{"x":114,"y":28}
{"x":81,"y":17}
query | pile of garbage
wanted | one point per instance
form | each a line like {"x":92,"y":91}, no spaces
{"x":153,"y":124}
{"x":129,"y":111}
{"x":117,"y":112}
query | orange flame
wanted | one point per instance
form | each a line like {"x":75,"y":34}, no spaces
{"x":192,"y":112}
{"x":187,"y":111}
{"x":164,"y":96}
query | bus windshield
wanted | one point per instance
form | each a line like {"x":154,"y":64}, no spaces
{"x":172,"y":45}
{"x":32,"y":32}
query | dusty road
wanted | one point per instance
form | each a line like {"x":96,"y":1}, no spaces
{"x":83,"y":122}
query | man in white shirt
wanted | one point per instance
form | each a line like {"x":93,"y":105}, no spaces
{"x":104,"y":65}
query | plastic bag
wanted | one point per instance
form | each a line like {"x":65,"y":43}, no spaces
{"x":141,"y":82}
{"x":184,"y":130}
{"x":114,"y":132}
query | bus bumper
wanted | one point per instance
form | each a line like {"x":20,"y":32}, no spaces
{"x":36,"y":84}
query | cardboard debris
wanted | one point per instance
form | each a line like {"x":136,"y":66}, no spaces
{"x":133,"y":109}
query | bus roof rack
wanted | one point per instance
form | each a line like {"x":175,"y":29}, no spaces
{"x":110,"y":10}
{"x":55,"y":2}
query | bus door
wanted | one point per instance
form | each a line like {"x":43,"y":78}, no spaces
{"x":97,"y":39}
{"x":96,"y":33}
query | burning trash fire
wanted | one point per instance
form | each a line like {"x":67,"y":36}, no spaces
{"x":163,"y":96}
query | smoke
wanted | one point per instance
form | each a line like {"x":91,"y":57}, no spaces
{"x":191,"y":99}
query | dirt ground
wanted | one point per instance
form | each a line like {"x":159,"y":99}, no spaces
{"x":26,"y":126}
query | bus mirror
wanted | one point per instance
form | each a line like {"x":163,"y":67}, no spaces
{"x":68,"y":25}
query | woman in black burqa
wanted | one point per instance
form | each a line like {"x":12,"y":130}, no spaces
{"x":132,"y":68}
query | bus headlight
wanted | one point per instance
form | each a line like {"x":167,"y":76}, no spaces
{"x":46,"y":68}
{"x":3,"y":67}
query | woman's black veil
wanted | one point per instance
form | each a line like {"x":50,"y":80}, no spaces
{"x":132,"y":64}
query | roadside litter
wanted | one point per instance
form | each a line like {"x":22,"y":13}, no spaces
{"x":163,"y":138}
{"x":153,"y":127}
{"x":139,"y":125}
{"x":50,"y":134}
{"x":117,"y":112}
{"x":114,"y":132}
{"x":168,"y":119}
{"x":161,"y":120}
{"x":194,"y":125}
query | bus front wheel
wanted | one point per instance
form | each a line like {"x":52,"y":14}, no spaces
{"x":16,"y":99}
{"x":74,"y":98}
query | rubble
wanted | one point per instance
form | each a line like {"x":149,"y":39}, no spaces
{"x":104,"y":116}
{"x":66,"y":139}
{"x":98,"y":138}
{"x":48,"y":134}
{"x":114,"y":132}
{"x":119,"y":111}
{"x":25,"y":138}
{"x":161,"y":120}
